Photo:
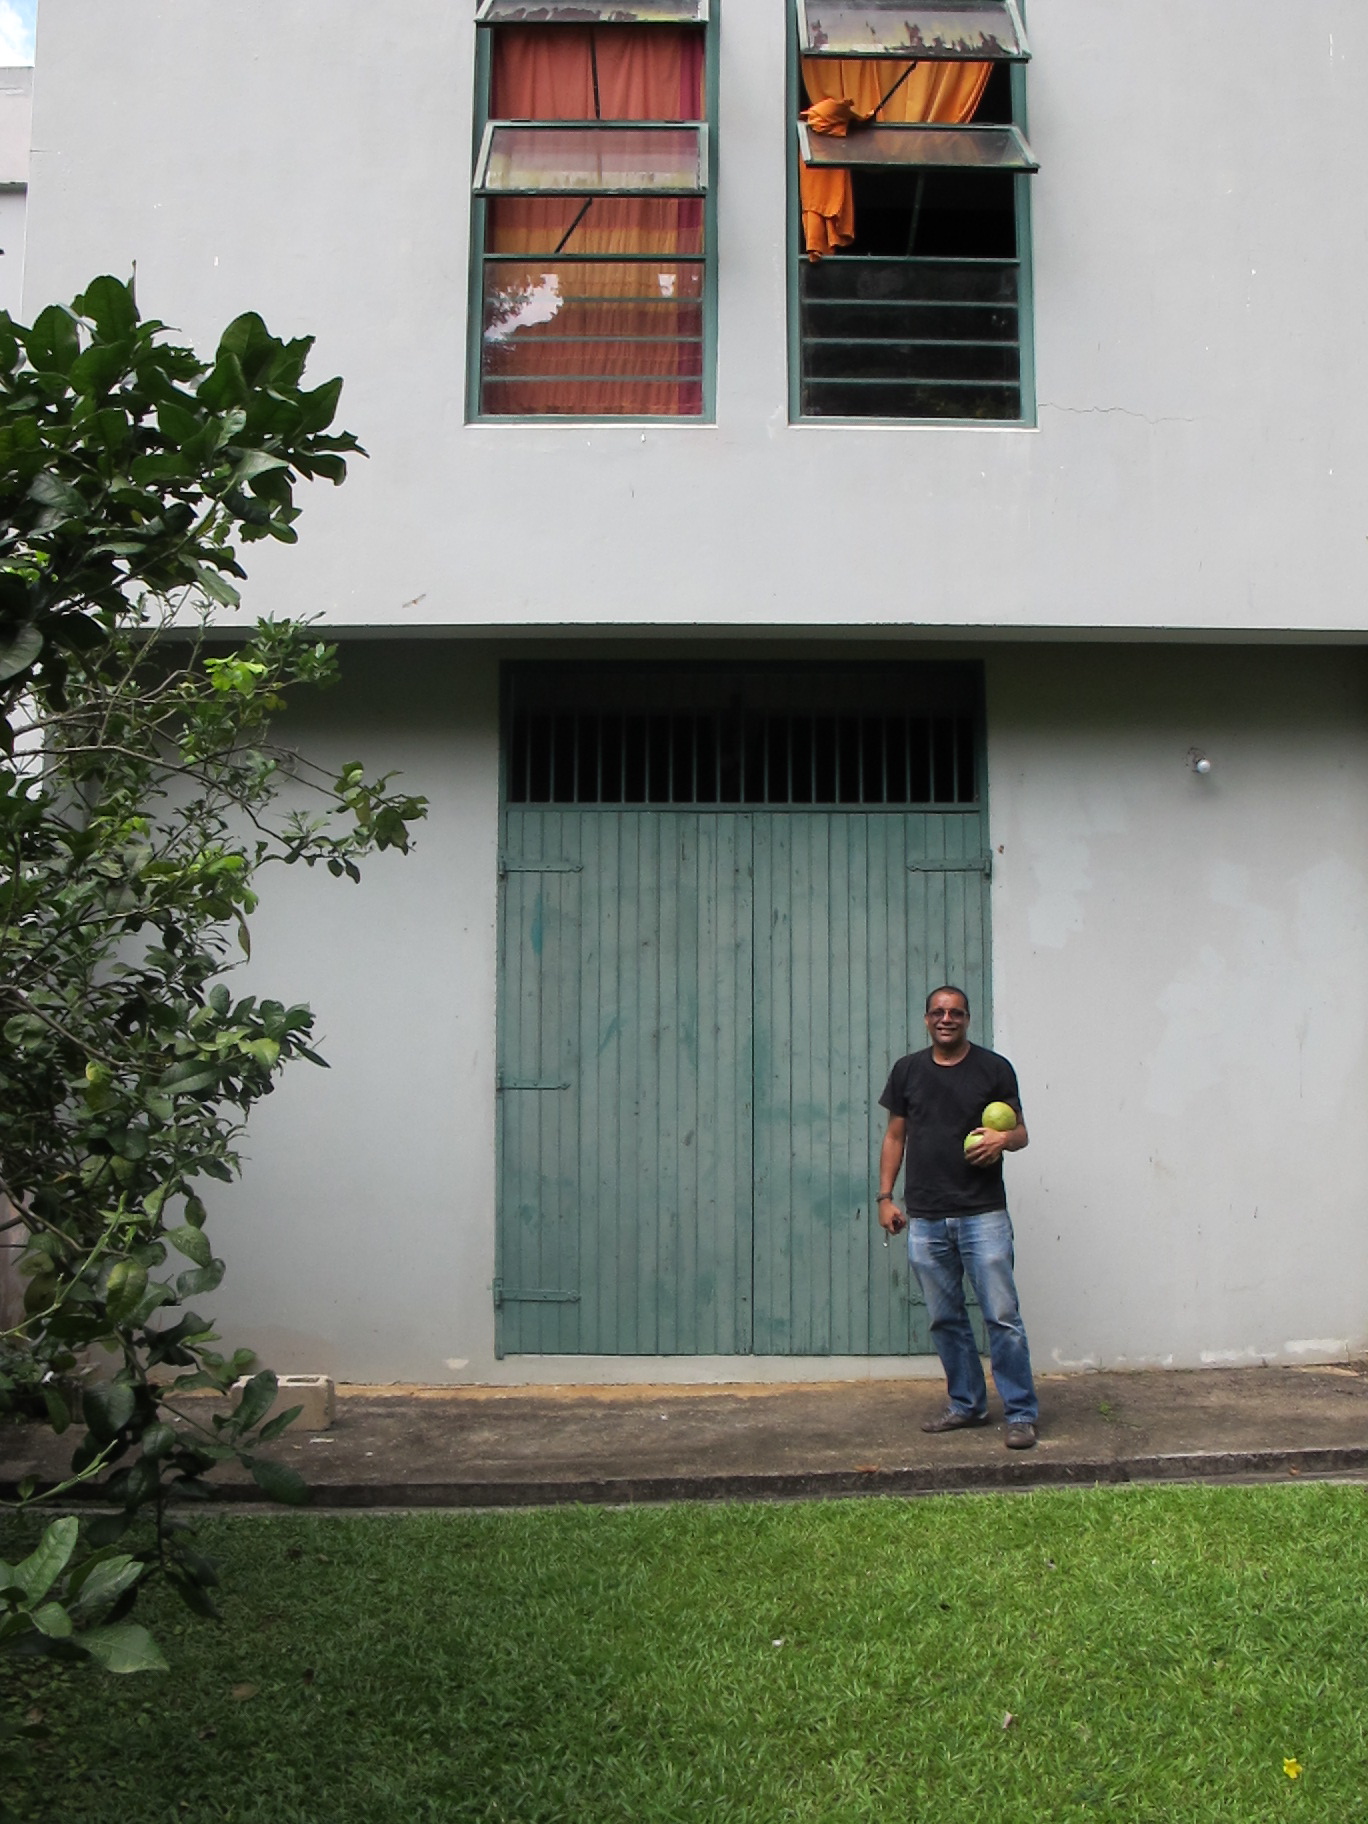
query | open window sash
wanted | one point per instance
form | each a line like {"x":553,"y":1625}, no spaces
{"x":919,"y":148}
{"x":592,"y":158}
{"x":939,"y":31}
{"x":592,"y":12}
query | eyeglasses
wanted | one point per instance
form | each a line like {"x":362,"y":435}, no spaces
{"x":946,"y":1013}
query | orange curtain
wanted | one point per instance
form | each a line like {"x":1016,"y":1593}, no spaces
{"x":848,"y":92}
{"x":595,"y":339}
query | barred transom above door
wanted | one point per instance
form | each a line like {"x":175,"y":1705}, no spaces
{"x":777,"y":735}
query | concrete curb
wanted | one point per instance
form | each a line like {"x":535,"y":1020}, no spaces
{"x":1033,"y":1471}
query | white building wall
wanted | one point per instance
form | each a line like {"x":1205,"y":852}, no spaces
{"x":1179,"y":963}
{"x":1180,"y":976}
{"x":16,"y":120}
{"x":1201,"y":461}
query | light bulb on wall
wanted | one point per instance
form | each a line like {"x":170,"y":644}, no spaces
{"x":1198,"y":761}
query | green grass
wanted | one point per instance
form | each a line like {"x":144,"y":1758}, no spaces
{"x":1161,"y":1650}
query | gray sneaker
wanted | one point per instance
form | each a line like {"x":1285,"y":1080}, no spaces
{"x":952,"y":1419}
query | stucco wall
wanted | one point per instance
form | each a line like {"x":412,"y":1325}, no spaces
{"x":16,"y":120}
{"x":1200,"y":463}
{"x":1180,"y":976}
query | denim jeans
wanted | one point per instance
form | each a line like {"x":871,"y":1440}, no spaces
{"x":942,"y":1251}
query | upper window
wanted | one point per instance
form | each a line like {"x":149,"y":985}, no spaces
{"x":911,"y":274}
{"x":593,"y":176}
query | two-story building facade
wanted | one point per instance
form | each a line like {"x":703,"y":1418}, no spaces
{"x":860,"y":494}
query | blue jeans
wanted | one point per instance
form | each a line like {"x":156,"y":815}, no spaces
{"x":942,"y":1251}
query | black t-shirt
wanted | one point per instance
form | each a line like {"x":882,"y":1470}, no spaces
{"x":942,"y":1104}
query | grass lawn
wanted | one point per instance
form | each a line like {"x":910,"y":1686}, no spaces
{"x":1160,"y":1651}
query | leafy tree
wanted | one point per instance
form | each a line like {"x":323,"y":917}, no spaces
{"x":141,"y":796}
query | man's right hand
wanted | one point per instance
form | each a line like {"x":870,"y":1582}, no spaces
{"x":891,"y":1217}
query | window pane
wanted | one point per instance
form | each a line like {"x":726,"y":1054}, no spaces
{"x":614,"y":227}
{"x":632,"y":161}
{"x":610,"y":72}
{"x":977,"y":31}
{"x":921,"y":149}
{"x":593,"y":339}
{"x":909,"y":339}
{"x":593,"y":12}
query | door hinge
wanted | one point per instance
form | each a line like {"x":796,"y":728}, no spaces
{"x":503,"y":1083}
{"x":508,"y":865}
{"x":503,"y":1295}
{"x":966,"y":864}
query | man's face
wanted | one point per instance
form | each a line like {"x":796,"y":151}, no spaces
{"x":947,"y":1019}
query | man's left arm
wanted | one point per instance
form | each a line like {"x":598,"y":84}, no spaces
{"x":989,"y":1144}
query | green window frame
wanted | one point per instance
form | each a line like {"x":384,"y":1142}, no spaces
{"x":579,"y":161}
{"x":917,"y":336}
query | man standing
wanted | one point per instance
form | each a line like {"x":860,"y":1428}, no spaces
{"x":957,"y":1209}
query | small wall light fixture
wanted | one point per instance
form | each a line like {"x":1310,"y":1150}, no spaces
{"x":1198,"y":761}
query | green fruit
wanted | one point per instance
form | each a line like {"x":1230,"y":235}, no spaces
{"x":1000,"y":1117}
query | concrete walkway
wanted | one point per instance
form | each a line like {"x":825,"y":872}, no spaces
{"x":486,"y":1447}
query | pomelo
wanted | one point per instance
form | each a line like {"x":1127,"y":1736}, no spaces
{"x":1000,"y":1116}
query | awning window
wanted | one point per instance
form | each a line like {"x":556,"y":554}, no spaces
{"x":920,"y":148}
{"x":591,"y":160}
{"x":942,"y":31}
{"x":592,"y":12}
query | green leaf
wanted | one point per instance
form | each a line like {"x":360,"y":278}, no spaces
{"x":278,"y":1482}
{"x":58,"y":1416}
{"x":106,"y":1581}
{"x":200,"y":1279}
{"x":107,"y":1529}
{"x":97,"y":370}
{"x":190,"y":1077}
{"x":19,"y":652}
{"x":256,"y":462}
{"x":319,"y":407}
{"x":192,"y":1242}
{"x":258,"y":1397}
{"x":124,"y":1646}
{"x":109,"y":304}
{"x":58,"y":499}
{"x":107,"y":1410}
{"x":53,"y":342}
{"x":157,"y":1439}
{"x":124,"y":1288}
{"x":52,"y":1619}
{"x":37,"y":1573}
{"x":272,"y":1429}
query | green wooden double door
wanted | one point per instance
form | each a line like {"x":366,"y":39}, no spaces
{"x":698,"y":1013}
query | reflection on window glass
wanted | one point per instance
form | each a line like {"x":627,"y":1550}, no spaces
{"x":593,"y":159}
{"x":593,"y":339}
{"x":592,"y":12}
{"x":939,"y":29}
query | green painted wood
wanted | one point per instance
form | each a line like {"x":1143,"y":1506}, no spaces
{"x":723,"y":995}
{"x":630,"y":1190}
{"x":855,"y":938}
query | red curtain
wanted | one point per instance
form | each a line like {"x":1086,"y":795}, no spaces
{"x":594,"y":338}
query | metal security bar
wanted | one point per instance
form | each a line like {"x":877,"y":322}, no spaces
{"x":740,"y":757}
{"x":910,"y":337}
